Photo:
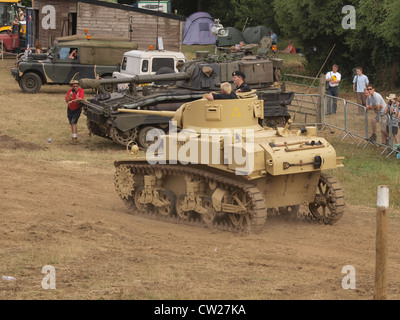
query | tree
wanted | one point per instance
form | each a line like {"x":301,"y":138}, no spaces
{"x":318,"y":25}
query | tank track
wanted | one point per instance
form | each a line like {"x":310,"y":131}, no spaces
{"x":246,"y":222}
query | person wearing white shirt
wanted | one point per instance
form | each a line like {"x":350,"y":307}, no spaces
{"x":360,"y":82}
{"x":333,"y":78}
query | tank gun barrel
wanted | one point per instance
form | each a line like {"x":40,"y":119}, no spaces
{"x":168,"y":114}
{"x":138,"y":79}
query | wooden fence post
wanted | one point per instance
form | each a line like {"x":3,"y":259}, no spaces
{"x":382,"y":222}
{"x":321,"y":91}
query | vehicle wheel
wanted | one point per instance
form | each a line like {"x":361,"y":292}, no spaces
{"x":148,"y":135}
{"x":168,"y":200}
{"x":211,"y":214}
{"x":123,"y":138}
{"x":30,"y":82}
{"x":180,"y":208}
{"x":108,"y":88}
{"x":328,"y":205}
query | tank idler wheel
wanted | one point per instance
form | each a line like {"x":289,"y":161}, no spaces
{"x":211,"y":214}
{"x":184,"y":215}
{"x":124,"y":182}
{"x":123,"y":138}
{"x":168,"y":198}
{"x":328,"y":205}
{"x":241,"y":220}
{"x":141,"y":207}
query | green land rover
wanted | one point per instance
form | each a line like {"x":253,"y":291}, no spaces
{"x":70,"y":60}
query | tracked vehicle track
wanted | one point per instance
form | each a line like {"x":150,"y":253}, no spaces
{"x":246,"y":207}
{"x":243,"y":195}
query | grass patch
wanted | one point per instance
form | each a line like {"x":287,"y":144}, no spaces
{"x":364,"y":170}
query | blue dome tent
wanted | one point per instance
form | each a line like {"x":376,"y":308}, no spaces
{"x":197,"y":29}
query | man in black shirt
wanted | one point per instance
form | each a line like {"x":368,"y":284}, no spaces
{"x":238,"y":79}
{"x":226,"y":93}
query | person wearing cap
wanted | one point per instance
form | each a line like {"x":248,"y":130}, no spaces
{"x":74,"y":95}
{"x":226,"y":93}
{"x":392,"y":111}
{"x":376,"y":103}
{"x":238,"y":79}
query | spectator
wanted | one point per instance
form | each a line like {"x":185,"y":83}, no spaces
{"x":73,"y":55}
{"x":376,"y":103}
{"x":21,"y":14}
{"x":360,"y":82}
{"x":226,"y":93}
{"x":274,"y":37}
{"x":74,"y":109}
{"x":333,"y":78}
{"x":238,"y":78}
{"x":38,"y":47}
{"x":392,"y":111}
{"x":290,"y":48}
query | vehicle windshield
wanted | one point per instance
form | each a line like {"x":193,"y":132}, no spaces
{"x":8,"y":11}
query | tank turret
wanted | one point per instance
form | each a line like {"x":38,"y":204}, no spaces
{"x":223,"y":168}
{"x":168,"y":91}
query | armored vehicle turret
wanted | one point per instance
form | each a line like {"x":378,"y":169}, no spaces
{"x":167,"y":90}
{"x":223,"y":169}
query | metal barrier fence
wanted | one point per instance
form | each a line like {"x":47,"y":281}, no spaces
{"x":351,"y":120}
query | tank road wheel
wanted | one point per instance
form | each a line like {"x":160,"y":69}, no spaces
{"x":180,"y":205}
{"x":328,"y":205}
{"x":124,"y":182}
{"x":30,"y":82}
{"x":210,"y":215}
{"x":141,"y":207}
{"x":168,"y":199}
{"x":148,"y":135}
{"x":123,"y":138}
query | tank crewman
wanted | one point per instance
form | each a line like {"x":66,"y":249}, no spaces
{"x":238,"y":79}
{"x":226,"y":93}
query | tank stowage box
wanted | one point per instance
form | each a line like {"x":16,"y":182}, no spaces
{"x":224,"y":169}
{"x":257,"y":71}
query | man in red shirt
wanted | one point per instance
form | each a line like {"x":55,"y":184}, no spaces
{"x":74,"y":109}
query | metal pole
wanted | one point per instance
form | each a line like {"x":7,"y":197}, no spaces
{"x":382,"y":222}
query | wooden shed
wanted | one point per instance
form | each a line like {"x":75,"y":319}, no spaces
{"x":63,"y":18}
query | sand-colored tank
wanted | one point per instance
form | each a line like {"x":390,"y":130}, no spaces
{"x":222,"y":168}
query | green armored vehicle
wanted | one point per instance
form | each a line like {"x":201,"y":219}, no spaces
{"x":70,"y":60}
{"x":168,"y":90}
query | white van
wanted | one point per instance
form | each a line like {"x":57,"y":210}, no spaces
{"x":137,"y":62}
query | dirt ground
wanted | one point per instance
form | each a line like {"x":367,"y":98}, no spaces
{"x":66,"y":214}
